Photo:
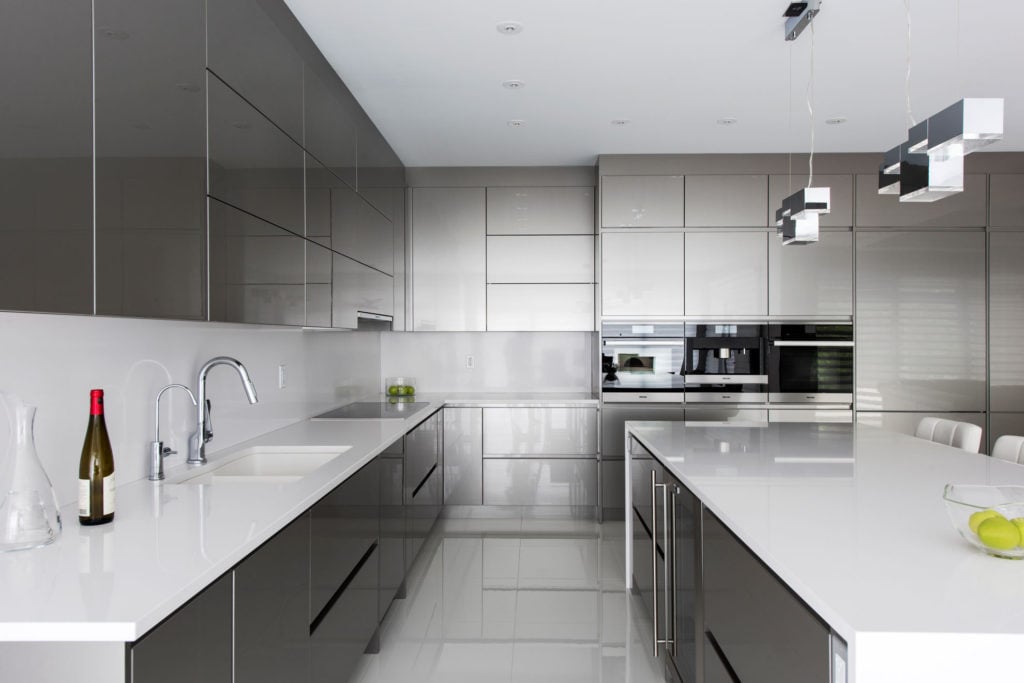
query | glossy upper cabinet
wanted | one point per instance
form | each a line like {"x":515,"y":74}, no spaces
{"x":46,"y":166}
{"x":642,"y":273}
{"x":540,"y":307}
{"x":253,"y":165}
{"x":840,"y":196}
{"x":1006,"y":326}
{"x":540,"y":211}
{"x":449,"y":259}
{"x":649,"y":201}
{"x":920,"y":313}
{"x":151,"y":158}
{"x":330,"y":133}
{"x":356,"y":289}
{"x":726,"y":201}
{"x":726,"y":273}
{"x":540,"y":259}
{"x":257,"y":270}
{"x":814,"y":280}
{"x":966,"y":209}
{"x":248,"y":50}
{"x":360,"y":231}
{"x":1006,"y":200}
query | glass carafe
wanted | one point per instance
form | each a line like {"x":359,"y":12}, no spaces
{"x":29,"y":514}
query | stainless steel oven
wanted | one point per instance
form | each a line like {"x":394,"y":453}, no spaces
{"x":725,"y":363}
{"x":642,"y":362}
{"x":810,"y":363}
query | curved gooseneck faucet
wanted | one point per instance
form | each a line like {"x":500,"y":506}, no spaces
{"x":203,"y":433}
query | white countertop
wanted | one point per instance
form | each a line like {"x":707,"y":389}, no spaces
{"x":169,"y":541}
{"x":852,"y":519}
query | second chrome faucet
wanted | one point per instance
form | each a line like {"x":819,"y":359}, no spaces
{"x":203,"y":434}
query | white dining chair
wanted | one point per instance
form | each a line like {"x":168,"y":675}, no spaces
{"x":926,"y":427}
{"x":962,"y":435}
{"x":1009,"y":448}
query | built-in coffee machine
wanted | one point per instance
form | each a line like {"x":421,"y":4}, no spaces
{"x":725,"y":363}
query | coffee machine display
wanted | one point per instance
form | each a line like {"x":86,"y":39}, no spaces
{"x":725,"y":363}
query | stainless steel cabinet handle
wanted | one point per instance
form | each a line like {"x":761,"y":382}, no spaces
{"x":671,"y":571}
{"x":654,"y":555}
{"x":669,"y":614}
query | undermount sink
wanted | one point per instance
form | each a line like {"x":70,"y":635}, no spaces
{"x":264,"y":465}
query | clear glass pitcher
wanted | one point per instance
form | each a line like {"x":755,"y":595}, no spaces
{"x":29,"y":514}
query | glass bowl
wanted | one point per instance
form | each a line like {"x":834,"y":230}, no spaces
{"x":965,"y":500}
{"x":399,"y":386}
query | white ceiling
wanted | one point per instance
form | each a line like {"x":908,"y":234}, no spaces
{"x":429,"y":74}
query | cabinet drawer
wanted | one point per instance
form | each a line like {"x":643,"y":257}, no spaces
{"x":569,"y":432}
{"x":422,"y":448}
{"x":765,"y":632}
{"x":642,"y":201}
{"x":533,"y":481}
{"x":540,"y":308}
{"x":541,"y":259}
{"x":540,"y":210}
{"x":421,"y":513}
{"x":391,"y":546}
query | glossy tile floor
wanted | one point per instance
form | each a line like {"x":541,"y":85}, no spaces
{"x":499,"y":601}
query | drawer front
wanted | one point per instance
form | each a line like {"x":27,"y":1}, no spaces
{"x":422,"y":511}
{"x":569,"y":432}
{"x":530,"y":481}
{"x":392,"y":529}
{"x":421,"y":453}
{"x":764,"y":631}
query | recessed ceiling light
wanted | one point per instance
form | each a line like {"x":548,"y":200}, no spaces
{"x":728,"y":121}
{"x":516,"y":123}
{"x":510,"y":28}
{"x":113,"y":33}
{"x":620,"y":122}
{"x":242,"y":125}
{"x":836,"y":120}
{"x":188,"y":87}
{"x":513,"y":84}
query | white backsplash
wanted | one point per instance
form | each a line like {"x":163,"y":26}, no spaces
{"x":52,"y":361}
{"x":503,"y":361}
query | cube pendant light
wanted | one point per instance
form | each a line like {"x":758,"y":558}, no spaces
{"x":800,"y":230}
{"x":965,"y":126}
{"x":930,"y":177}
{"x":889,"y":170}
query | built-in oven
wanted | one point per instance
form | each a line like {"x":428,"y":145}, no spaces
{"x":725,"y":363}
{"x":810,"y":363}
{"x":642,"y":362}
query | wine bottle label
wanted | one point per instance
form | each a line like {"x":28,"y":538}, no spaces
{"x":83,"y":498}
{"x":108,"y":494}
{"x":84,"y":506}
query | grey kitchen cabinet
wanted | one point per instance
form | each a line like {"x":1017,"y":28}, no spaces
{"x":320,"y":183}
{"x":762,"y":629}
{"x":1006,"y":200}
{"x":686,"y":579}
{"x":726,"y":273}
{"x":46,"y":163}
{"x":254,"y":166}
{"x":150,"y":159}
{"x":814,"y":280}
{"x":1006,"y":323}
{"x":613,"y":494}
{"x":920,"y":312}
{"x":358,"y":288}
{"x":539,"y":431}
{"x":649,"y":201}
{"x":840,"y":196}
{"x":615,"y":415}
{"x":649,"y":545}
{"x":540,"y":211}
{"x":715,"y":670}
{"x":360,"y":231}
{"x":1001,"y":424}
{"x":540,"y":307}
{"x":257,"y":270}
{"x":251,"y":46}
{"x":642,"y":274}
{"x":966,"y":209}
{"x":330,"y":131}
{"x":424,"y":485}
{"x":379,"y":168}
{"x":739,"y":201}
{"x":391,"y":546}
{"x":541,"y":259}
{"x":463,"y":456}
{"x":319,"y":281}
{"x":449,"y":247}
{"x":564,"y":482}
{"x":271,"y":598}
{"x":193,"y":644}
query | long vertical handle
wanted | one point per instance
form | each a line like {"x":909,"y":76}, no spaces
{"x":654,"y":554}
{"x":673,"y":572}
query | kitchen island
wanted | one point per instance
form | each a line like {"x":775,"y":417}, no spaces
{"x":851,"y":519}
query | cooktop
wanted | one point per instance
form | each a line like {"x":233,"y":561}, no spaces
{"x":377,"y":410}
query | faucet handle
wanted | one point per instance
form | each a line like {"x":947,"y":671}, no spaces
{"x":208,"y":423}
{"x":166,"y":450}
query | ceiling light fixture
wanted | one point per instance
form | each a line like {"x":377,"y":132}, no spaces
{"x":516,"y":123}
{"x":799,"y":16}
{"x":513,"y":84}
{"x":509,"y":28}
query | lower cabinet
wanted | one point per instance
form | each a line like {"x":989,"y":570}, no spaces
{"x":193,"y":644}
{"x":391,"y":547}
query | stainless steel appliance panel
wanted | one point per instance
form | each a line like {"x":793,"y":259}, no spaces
{"x":463,"y":456}
{"x":540,"y":481}
{"x":813,"y":282}
{"x":642,"y":201}
{"x":810,"y":363}
{"x":641,"y":360}
{"x":739,"y":201}
{"x":726,"y":273}
{"x":566,"y":432}
{"x":545,"y":259}
{"x":641,"y":274}
{"x":725,"y":413}
{"x":615,"y":415}
{"x":540,"y":308}
{"x":1006,"y":326}
{"x":540,"y":210}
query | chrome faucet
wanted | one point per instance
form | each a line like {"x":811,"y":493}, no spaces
{"x":204,"y":432}
{"x":157,"y":452}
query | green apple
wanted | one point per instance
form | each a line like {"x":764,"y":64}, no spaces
{"x":977,"y":518}
{"x":395,"y":390}
{"x":999,"y":533}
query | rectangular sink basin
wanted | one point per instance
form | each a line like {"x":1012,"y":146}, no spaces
{"x":265,"y":465}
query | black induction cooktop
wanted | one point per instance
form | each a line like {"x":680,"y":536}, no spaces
{"x":394,"y":409}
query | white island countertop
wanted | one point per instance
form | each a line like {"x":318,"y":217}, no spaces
{"x":852,"y":519}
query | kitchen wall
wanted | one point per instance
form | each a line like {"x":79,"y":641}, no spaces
{"x":52,"y":361}
{"x":536,"y":362}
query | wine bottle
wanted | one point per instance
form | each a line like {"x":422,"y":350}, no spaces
{"x":96,"y":468}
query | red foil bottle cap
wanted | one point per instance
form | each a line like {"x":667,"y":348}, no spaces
{"x":96,"y":402}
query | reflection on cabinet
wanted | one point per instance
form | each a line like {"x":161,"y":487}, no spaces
{"x":360,"y":231}
{"x":330,"y":134}
{"x":726,"y":273}
{"x":1006,"y":326}
{"x":253,"y":165}
{"x":566,"y":432}
{"x":764,"y":632}
{"x":1001,"y":424}
{"x":449,"y":259}
{"x":46,"y":176}
{"x":424,"y":488}
{"x":816,"y":281}
{"x":906,"y":422}
{"x":540,"y":308}
{"x":257,"y":270}
{"x":1006,"y":200}
{"x":726,"y":201}
{"x":840,"y":212}
{"x":544,"y":259}
{"x":150,"y":160}
{"x":540,"y":481}
{"x":202,"y":629}
{"x":920,"y":320}
{"x":463,"y":456}
{"x":248,"y":50}
{"x":966,"y":209}
{"x":642,"y":273}
{"x":359,"y":289}
{"x":271,"y":597}
{"x":540,"y":210}
{"x":642,"y":201}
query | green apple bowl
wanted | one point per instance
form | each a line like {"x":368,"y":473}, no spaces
{"x":399,"y":386}
{"x":991,"y":518}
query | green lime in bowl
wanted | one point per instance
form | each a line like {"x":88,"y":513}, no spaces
{"x":991,"y":518}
